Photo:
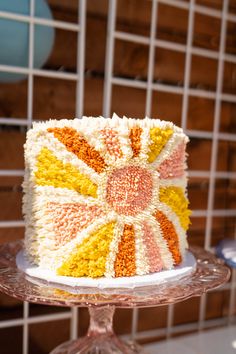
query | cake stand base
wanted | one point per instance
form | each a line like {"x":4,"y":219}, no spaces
{"x":210,"y":273}
{"x":100,"y":338}
{"x":98,"y":345}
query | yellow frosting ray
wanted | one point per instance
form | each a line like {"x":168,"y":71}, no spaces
{"x":89,"y":258}
{"x":174,"y":197}
{"x":52,"y":172}
{"x":159,"y":139}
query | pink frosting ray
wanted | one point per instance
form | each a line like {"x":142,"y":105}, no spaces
{"x":152,"y":250}
{"x":70,"y":218}
{"x":112,"y":142}
{"x":174,"y":166}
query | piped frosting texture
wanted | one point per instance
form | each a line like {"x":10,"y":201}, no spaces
{"x":105,"y":197}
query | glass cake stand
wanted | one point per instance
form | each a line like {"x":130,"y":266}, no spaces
{"x":210,"y":273}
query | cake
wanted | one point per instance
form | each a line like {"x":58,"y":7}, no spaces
{"x":105,"y":197}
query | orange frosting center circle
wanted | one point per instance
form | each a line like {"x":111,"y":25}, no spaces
{"x":129,"y":190}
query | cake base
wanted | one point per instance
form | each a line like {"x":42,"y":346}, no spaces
{"x":187,"y":267}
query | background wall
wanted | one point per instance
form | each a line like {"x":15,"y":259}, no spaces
{"x":172,"y":59}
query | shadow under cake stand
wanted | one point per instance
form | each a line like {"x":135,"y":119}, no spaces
{"x":210,"y":273}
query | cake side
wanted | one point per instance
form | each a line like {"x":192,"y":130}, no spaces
{"x":105,"y":197}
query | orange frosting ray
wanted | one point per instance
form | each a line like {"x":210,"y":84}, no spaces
{"x":75,"y":143}
{"x":125,"y":259}
{"x":135,"y":140}
{"x":170,"y":236}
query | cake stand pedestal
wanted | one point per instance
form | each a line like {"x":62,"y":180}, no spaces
{"x":209,"y":274}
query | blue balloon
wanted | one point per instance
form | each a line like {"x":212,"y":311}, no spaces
{"x":14,"y":37}
{"x":226,"y":250}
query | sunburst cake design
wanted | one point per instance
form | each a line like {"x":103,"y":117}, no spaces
{"x":105,"y":197}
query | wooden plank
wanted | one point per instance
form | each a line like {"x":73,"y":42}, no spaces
{"x":11,"y":149}
{"x":12,"y":105}
{"x":229,"y":82}
{"x":201,"y":114}
{"x":152,"y":318}
{"x":206,"y":31}
{"x":11,"y":234}
{"x":43,"y":338}
{"x":11,"y":198}
{"x":227,"y":152}
{"x":99,"y":7}
{"x":228,"y":117}
{"x":12,"y":205}
{"x":190,"y":309}
{"x":59,"y":96}
{"x":215,"y":4}
{"x":131,"y":59}
{"x":230,"y":39}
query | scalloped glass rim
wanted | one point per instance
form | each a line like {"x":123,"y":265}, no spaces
{"x":210,"y":273}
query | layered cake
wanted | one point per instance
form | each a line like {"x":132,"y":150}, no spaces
{"x":105,"y":197}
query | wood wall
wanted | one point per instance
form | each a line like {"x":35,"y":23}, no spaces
{"x":55,"y":98}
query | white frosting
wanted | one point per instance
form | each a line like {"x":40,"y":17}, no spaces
{"x":40,"y":228}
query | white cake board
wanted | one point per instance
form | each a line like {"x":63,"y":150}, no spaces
{"x":187,"y":267}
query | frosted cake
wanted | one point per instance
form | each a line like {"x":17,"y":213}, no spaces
{"x":105,"y":197}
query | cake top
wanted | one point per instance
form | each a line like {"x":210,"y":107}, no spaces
{"x":111,"y":140}
{"x":102,"y":122}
